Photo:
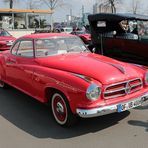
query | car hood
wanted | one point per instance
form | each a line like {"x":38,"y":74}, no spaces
{"x":101,"y":68}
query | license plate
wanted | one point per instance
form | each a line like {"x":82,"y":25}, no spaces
{"x":128,"y":105}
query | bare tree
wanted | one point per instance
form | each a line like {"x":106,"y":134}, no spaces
{"x":135,"y":6}
{"x":32,"y":4}
{"x":110,"y":4}
{"x":10,"y":3}
{"x":52,"y":5}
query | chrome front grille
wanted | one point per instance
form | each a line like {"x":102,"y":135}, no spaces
{"x":122,"y":88}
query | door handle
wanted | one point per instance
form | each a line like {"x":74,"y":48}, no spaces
{"x":11,"y":61}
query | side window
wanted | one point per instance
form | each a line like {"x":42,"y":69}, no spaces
{"x":15,"y":48}
{"x":25,"y":49}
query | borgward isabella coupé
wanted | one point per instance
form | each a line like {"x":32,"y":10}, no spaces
{"x":57,"y":69}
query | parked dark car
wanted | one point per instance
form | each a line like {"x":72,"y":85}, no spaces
{"x":121,"y":36}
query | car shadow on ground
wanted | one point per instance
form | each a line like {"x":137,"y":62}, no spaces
{"x":34,"y":118}
{"x":139,"y":123}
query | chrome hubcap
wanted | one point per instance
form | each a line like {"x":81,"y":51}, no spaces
{"x":60,"y":108}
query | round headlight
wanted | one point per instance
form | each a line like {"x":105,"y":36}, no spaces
{"x":146,"y":78}
{"x":93,"y":92}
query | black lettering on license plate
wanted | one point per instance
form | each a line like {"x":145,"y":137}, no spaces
{"x":129,"y":105}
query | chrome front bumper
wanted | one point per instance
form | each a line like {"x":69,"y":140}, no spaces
{"x":95,"y":112}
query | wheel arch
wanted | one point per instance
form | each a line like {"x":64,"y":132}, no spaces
{"x":49,"y":91}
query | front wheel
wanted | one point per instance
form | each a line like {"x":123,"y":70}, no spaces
{"x":61,"y":110}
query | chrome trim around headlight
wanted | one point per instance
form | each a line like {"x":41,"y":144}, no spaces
{"x":93,"y":92}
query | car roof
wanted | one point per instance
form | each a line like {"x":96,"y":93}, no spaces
{"x":46,"y":35}
{"x":116,"y":17}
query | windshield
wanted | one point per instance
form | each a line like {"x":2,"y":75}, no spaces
{"x":59,"y":45}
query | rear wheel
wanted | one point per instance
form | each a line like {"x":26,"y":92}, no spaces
{"x":61,"y":110}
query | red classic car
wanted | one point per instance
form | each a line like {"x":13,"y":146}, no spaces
{"x":6,"y":40}
{"x":86,"y":37}
{"x":57,"y":69}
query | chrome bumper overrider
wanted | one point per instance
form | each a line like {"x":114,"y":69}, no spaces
{"x":95,"y":112}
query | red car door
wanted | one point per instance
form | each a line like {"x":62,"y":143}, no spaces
{"x":19,"y":65}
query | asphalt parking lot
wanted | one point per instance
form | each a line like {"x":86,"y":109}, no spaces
{"x":26,"y":123}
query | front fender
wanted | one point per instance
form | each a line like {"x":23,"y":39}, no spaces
{"x":74,"y":88}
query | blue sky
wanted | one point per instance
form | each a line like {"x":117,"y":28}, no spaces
{"x":76,"y":6}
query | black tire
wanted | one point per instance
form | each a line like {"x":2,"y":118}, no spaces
{"x":61,"y":110}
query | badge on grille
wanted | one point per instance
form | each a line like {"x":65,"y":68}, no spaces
{"x":128,"y":88}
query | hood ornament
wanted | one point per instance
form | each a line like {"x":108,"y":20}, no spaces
{"x":128,"y":88}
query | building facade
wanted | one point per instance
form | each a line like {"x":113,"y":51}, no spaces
{"x":21,"y":19}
